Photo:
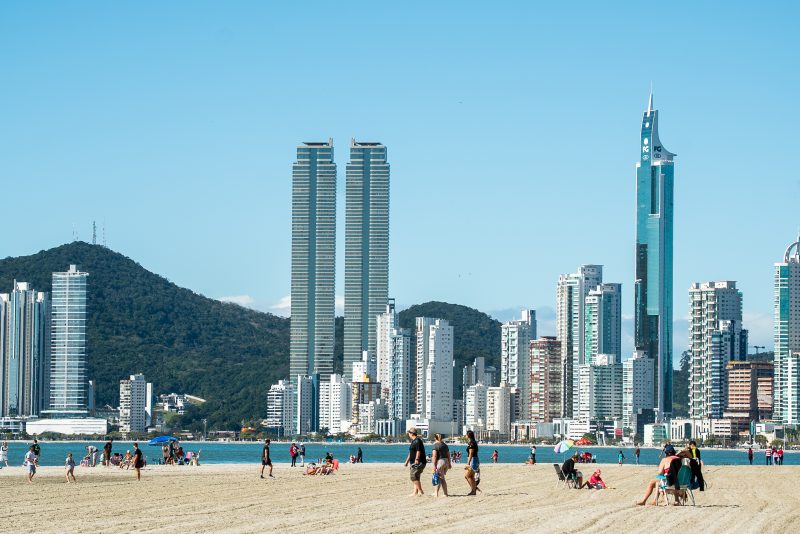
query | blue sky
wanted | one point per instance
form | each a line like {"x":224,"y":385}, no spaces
{"x":512,"y":130}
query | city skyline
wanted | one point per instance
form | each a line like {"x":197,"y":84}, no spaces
{"x":464,"y":119}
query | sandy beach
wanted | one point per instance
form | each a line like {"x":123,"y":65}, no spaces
{"x":374,"y":498}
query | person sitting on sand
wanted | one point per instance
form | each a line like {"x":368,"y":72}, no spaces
{"x":664,"y":468}
{"x":595,"y":482}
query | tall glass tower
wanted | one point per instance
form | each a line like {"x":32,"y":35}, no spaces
{"x":313,"y":261}
{"x":68,"y":384}
{"x":653,"y":286}
{"x":366,"y":249}
{"x":787,"y":336}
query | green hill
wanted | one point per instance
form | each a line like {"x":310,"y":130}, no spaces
{"x":181,"y":341}
{"x":475,"y":334}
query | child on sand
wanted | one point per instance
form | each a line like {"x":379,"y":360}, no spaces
{"x":69,"y":465}
{"x":595,"y":482}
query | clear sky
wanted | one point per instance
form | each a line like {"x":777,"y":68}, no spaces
{"x":512,"y":130}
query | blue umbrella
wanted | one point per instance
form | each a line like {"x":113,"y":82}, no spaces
{"x":161,"y":439}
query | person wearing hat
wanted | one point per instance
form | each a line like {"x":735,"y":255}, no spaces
{"x":416,"y":457}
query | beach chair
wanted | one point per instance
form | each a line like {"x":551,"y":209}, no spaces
{"x":562,"y":478}
{"x":681,"y":488}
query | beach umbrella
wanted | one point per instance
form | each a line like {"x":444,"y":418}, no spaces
{"x":563,"y":446}
{"x":583,"y":441}
{"x":160,"y":440}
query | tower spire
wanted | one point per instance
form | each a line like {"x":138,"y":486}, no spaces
{"x":650,"y":101}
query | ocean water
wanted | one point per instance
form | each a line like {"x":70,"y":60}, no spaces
{"x":54,"y":453}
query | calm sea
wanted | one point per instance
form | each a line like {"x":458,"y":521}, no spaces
{"x":54,"y":453}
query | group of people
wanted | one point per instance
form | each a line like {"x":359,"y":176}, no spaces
{"x":667,"y":473}
{"x":296,"y":451}
{"x":442,"y":463}
{"x":572,"y":473}
{"x":773,"y":456}
{"x":31,"y":461}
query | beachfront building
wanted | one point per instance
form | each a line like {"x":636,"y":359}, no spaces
{"x":364,"y":390}
{"x":476,"y":373}
{"x":370,"y":414}
{"x":515,"y":337}
{"x":399,"y":374}
{"x":366,"y":243}
{"x":422,"y":327}
{"x":313,"y":269}
{"x":571,"y":294}
{"x":499,"y":410}
{"x":68,"y":382}
{"x":475,"y":407}
{"x":306,"y":405}
{"x":603,"y":322}
{"x":385,"y":324}
{"x":750,"y":390}
{"x":133,"y":403}
{"x":655,"y":174}
{"x":439,"y":372}
{"x":600,"y":388}
{"x":280,"y":406}
{"x":335,"y":404}
{"x":715,"y":338}
{"x":24,"y":351}
{"x":787,"y":336}
{"x":637,"y":390}
{"x":546,"y":369}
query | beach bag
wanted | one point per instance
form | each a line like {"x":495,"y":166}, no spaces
{"x":435,"y":479}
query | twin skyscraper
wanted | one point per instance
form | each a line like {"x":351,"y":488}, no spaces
{"x":366,"y":273}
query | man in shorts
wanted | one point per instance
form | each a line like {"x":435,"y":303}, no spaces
{"x":30,"y":462}
{"x":416,"y":457}
{"x":107,"y":452}
{"x":266,"y":460}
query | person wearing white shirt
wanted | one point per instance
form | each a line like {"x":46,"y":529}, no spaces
{"x":30,"y":463}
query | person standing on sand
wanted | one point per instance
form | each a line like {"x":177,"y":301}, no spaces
{"x":472,"y":473}
{"x":768,"y":456}
{"x":360,"y":456}
{"x":107,"y":452}
{"x":533,"y":455}
{"x":293,"y":454}
{"x":494,"y":456}
{"x":69,"y":465}
{"x":4,"y":454}
{"x":138,"y":460}
{"x":696,"y":464}
{"x":780,"y":455}
{"x":302,"y":452}
{"x":265,"y":459}
{"x":30,"y":463}
{"x":636,"y":454}
{"x":750,"y":455}
{"x":416,"y":458}
{"x":620,"y":458}
{"x":441,"y":463}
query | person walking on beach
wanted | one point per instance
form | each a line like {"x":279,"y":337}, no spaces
{"x":30,"y":462}
{"x":636,"y":454}
{"x":780,"y":455}
{"x":107,"y":452}
{"x":138,"y":460}
{"x":533,"y":455}
{"x":293,"y":454}
{"x":440,"y":459}
{"x":416,"y":458}
{"x":472,"y":473}
{"x":494,"y":456}
{"x":302,"y":453}
{"x":172,"y":452}
{"x":696,"y":465}
{"x":4,"y":454}
{"x":360,"y":456}
{"x":69,"y":465}
{"x":620,"y":457}
{"x":750,"y":455}
{"x":37,"y":450}
{"x":265,"y":459}
{"x":768,"y":456}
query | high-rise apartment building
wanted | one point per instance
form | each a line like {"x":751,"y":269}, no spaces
{"x":68,"y":381}
{"x":546,"y":380}
{"x":439,"y":372}
{"x":499,"y":409}
{"x":600,"y":389}
{"x":515,"y":338}
{"x":313,"y":260}
{"x":475,"y":407}
{"x":422,"y":337}
{"x":715,"y":338}
{"x":637,"y":388}
{"x":571,"y":294}
{"x":386,"y":324}
{"x":280,"y":407}
{"x":133,"y":404}
{"x":750,"y":390}
{"x":306,"y":404}
{"x":787,"y":336}
{"x":399,"y":378}
{"x":655,"y":173}
{"x":603,"y":318}
{"x":366,"y":262}
{"x":335,"y":404}
{"x":24,"y":351}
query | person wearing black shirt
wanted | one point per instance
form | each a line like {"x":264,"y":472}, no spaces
{"x":138,"y":460}
{"x":568,"y":468}
{"x":473,"y":469}
{"x":36,"y":449}
{"x":107,"y":452}
{"x":696,"y":464}
{"x":359,"y":456}
{"x":416,"y":457}
{"x":265,"y":459}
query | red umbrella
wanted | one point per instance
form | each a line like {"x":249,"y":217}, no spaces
{"x":583,"y":441}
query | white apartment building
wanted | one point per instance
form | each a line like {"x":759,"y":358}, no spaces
{"x":335,"y":398}
{"x":515,"y":337}
{"x":638,"y":374}
{"x":475,"y":407}
{"x":385,"y":325}
{"x":571,"y":294}
{"x":398,"y":392}
{"x":280,"y":406}
{"x":422,"y":335}
{"x":369,"y":415}
{"x":600,"y":389}
{"x":439,"y":372}
{"x":133,"y":404}
{"x":499,"y":409}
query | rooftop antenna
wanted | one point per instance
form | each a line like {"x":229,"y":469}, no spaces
{"x":74,"y":233}
{"x":94,"y":232}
